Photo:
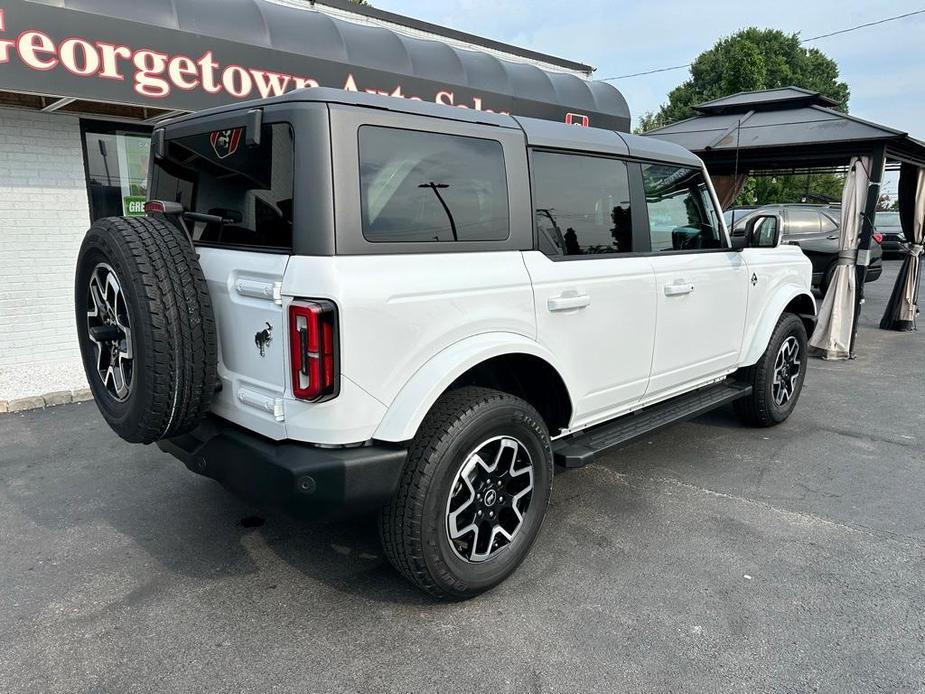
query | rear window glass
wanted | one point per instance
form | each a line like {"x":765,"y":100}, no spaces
{"x":249,"y":187}
{"x":888,"y":219}
{"x":428,"y":187}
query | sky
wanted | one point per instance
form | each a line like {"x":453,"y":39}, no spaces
{"x":884,"y":66}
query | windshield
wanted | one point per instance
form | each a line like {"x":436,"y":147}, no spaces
{"x":734,"y":216}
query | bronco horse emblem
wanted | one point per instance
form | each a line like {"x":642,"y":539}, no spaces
{"x":225,"y":142}
{"x":263,"y":339}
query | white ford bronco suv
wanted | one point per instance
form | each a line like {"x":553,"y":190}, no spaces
{"x":344,"y":302}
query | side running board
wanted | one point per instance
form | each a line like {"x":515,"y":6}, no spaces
{"x":580,"y":449}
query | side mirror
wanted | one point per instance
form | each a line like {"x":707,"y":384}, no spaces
{"x":764,"y":231}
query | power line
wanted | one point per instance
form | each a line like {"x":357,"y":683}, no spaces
{"x":648,"y":72}
{"x":864,"y":26}
{"x":811,"y":38}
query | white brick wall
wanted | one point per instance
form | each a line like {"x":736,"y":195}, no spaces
{"x":44,"y":213}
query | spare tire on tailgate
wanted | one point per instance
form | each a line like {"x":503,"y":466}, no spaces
{"x":145,"y":326}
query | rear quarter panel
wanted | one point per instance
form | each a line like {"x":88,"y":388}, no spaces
{"x":397,"y":311}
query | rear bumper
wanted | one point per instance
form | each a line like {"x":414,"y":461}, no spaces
{"x":298,"y":478}
{"x":891,"y":245}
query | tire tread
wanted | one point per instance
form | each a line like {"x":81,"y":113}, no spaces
{"x":756,"y":408}
{"x":401,"y":521}
{"x":178,"y":325}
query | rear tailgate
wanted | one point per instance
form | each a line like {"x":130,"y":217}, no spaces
{"x":245,"y":291}
{"x":241,"y":188}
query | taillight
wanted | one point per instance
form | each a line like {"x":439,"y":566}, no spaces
{"x":878,"y":237}
{"x":313,"y":345}
{"x":162,"y":207}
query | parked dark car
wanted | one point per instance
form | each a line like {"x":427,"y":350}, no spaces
{"x":814,"y":228}
{"x":888,"y":227}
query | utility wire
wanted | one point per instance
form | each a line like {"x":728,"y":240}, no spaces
{"x":864,"y":26}
{"x":811,"y":38}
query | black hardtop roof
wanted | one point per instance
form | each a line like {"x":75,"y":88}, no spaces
{"x":539,"y":132}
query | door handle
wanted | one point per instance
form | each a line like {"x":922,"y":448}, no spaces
{"x":832,"y":237}
{"x":678,"y":288}
{"x":568,"y":302}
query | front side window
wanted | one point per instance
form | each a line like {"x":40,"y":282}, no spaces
{"x":427,"y":187}
{"x":582,"y":205}
{"x":682,"y":216}
{"x":803,"y":221}
{"x":248,"y":187}
{"x":829,"y":225}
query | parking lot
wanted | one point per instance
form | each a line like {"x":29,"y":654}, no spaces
{"x":709,"y":557}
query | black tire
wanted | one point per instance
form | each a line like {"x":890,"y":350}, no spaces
{"x":171,"y":376}
{"x":761,"y":408}
{"x":414,"y":526}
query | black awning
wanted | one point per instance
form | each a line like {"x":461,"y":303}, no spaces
{"x":194,"y":54}
{"x":783,"y":128}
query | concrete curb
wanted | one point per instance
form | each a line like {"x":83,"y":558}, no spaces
{"x":36,"y":402}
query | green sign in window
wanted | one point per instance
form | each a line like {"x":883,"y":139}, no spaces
{"x":133,"y":205}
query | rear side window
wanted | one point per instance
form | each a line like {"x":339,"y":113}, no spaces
{"x":582,"y":204}
{"x":250,"y":188}
{"x":803,"y":221}
{"x":429,"y":187}
{"x":682,"y":216}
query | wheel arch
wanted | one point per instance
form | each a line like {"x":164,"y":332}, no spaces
{"x":504,"y":361}
{"x":797,"y":301}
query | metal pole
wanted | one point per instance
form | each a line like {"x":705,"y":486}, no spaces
{"x":878,"y":156}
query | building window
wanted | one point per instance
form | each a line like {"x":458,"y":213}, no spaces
{"x":582,"y":204}
{"x":116,"y":165}
{"x":682,"y":216}
{"x":423,"y":187}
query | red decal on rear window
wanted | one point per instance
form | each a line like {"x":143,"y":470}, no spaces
{"x":225,"y":142}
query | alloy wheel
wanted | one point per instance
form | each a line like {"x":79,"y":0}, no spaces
{"x":110,"y":332}
{"x":786,"y":371}
{"x":489,"y":499}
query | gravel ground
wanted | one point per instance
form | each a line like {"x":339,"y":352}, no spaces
{"x":707,"y":558}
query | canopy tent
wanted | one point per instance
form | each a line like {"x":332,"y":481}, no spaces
{"x":792,"y":129}
{"x":902,"y":308}
{"x":838,"y":306}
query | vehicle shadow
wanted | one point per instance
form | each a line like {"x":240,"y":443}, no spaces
{"x":85,"y":483}
{"x":345,"y":555}
{"x":88,"y":482}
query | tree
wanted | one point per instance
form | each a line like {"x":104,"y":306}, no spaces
{"x":812,"y":188}
{"x":750,"y":60}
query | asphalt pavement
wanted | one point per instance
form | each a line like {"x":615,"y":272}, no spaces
{"x":707,"y":558}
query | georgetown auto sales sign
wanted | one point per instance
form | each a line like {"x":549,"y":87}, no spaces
{"x":68,"y":53}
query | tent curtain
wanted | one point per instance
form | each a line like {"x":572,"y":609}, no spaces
{"x":728,"y":188}
{"x":832,"y":337}
{"x":902,"y":308}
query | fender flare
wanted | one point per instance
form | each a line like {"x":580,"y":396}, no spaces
{"x":768,"y":321}
{"x":406,"y":412}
